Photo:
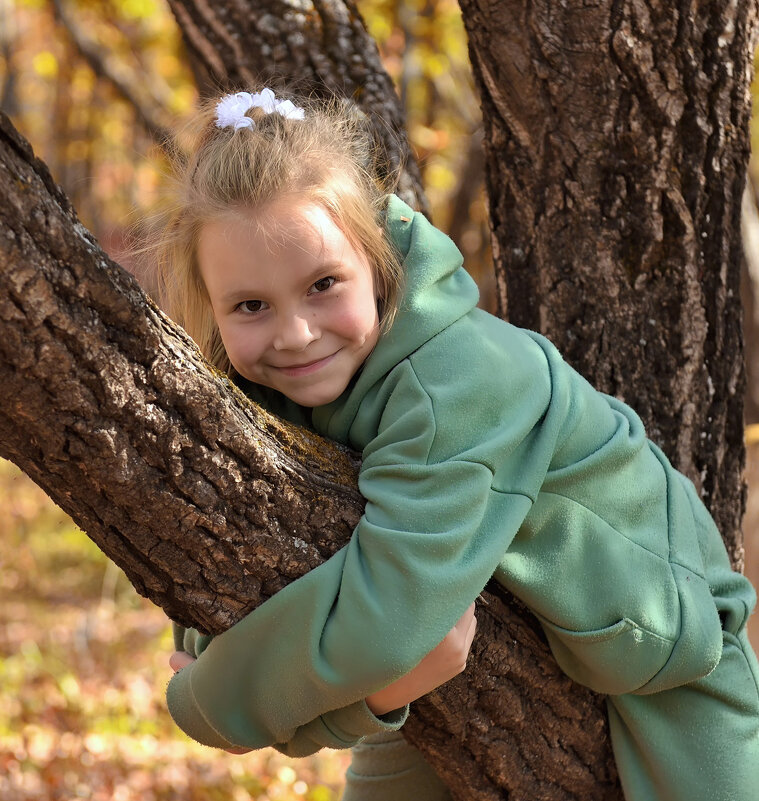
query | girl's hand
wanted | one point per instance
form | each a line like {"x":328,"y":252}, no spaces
{"x":439,"y":666}
{"x":179,"y":660}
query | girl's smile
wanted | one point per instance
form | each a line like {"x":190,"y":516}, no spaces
{"x":306,"y":369}
{"x":293,"y":298}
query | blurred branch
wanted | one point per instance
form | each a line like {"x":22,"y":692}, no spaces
{"x":471,"y":178}
{"x":103,"y":65}
{"x":8,"y":99}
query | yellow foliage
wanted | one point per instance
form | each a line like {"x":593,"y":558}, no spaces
{"x":440,"y":176}
{"x":138,"y":9}
{"x":83,"y":670}
{"x":751,"y":434}
{"x":45,"y":64}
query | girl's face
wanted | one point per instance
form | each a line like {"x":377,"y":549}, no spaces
{"x":294,"y":301}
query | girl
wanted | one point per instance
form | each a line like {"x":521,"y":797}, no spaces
{"x":484,"y":454}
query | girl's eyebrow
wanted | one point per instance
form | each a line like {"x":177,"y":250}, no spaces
{"x":327,"y":268}
{"x":239,"y":294}
{"x":318,"y":272}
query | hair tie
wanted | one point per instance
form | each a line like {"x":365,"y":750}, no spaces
{"x":230,"y":110}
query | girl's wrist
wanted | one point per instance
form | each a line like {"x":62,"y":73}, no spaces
{"x":383,"y":701}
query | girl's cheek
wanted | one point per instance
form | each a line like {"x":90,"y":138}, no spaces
{"x":360,"y":314}
{"x":239,"y":347}
{"x":248,"y":350}
{"x":356,"y":325}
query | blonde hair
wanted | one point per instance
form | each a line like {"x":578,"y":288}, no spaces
{"x":330,"y":158}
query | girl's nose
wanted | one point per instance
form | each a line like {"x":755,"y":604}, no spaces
{"x":294,"y":333}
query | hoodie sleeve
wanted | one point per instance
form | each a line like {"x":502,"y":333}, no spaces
{"x":339,"y":728}
{"x":370,"y":613}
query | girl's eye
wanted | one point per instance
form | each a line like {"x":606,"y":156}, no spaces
{"x":323,"y":284}
{"x":251,"y":306}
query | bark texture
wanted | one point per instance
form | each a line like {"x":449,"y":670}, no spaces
{"x":210,"y":505}
{"x":617,"y":143}
{"x":320,"y":45}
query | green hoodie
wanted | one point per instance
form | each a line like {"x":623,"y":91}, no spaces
{"x":484,"y":454}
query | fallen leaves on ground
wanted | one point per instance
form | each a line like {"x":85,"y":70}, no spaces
{"x":83,"y":670}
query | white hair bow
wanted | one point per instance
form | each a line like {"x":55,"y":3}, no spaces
{"x":230,"y":110}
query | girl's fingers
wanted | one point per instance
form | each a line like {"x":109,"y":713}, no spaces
{"x":179,"y":660}
{"x":468,"y":627}
{"x":471,"y":632}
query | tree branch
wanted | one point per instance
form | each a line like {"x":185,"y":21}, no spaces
{"x":115,"y":414}
{"x":102,"y":65}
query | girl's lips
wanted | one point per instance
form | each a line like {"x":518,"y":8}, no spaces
{"x":297,"y":370}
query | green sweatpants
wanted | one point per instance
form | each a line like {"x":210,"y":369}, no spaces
{"x":698,"y":742}
{"x":384,"y":767}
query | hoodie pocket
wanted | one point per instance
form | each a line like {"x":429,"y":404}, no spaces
{"x":616,"y":659}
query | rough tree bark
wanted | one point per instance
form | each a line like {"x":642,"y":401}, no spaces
{"x":617,"y":145}
{"x":136,"y":440}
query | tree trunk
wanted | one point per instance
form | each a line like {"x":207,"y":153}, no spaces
{"x":616,"y":137}
{"x":210,"y":505}
{"x":322,"y":47}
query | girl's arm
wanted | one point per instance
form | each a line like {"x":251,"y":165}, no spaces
{"x":435,"y":527}
{"x":441,"y":664}
{"x":445,"y":661}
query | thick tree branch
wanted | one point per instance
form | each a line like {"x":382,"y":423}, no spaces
{"x":210,"y":505}
{"x":113,"y":411}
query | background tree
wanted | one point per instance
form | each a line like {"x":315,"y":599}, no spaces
{"x":565,"y":182}
{"x":617,"y":144}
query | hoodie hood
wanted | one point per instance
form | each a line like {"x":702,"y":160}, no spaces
{"x":436,"y":292}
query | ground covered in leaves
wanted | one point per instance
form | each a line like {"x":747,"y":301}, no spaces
{"x":83,"y":669}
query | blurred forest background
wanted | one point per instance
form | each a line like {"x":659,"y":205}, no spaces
{"x":84,"y":660}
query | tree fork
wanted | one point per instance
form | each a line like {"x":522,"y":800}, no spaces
{"x":522,"y":730}
{"x":210,"y":505}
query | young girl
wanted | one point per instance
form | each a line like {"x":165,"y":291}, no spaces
{"x":341,"y":309}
